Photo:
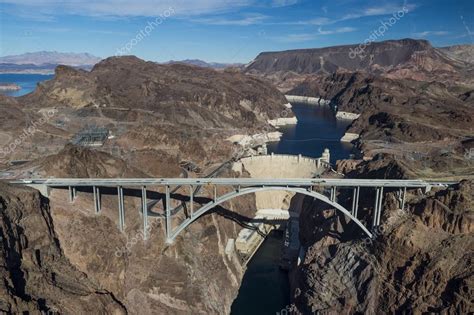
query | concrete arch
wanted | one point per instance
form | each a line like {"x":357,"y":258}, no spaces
{"x":249,"y":190}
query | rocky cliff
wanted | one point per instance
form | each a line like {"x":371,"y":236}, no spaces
{"x":423,"y":124}
{"x":398,"y":59}
{"x":157,"y":116}
{"x":37,"y":275}
{"x":109,"y":269}
{"x":165,"y":112}
{"x":420,"y":261}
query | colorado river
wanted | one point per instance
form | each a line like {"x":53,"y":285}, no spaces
{"x":316,"y":130}
{"x":265,"y":288}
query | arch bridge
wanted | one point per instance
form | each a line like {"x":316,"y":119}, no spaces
{"x":239,"y":187}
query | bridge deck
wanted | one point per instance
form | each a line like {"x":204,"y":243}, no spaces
{"x":298,"y":182}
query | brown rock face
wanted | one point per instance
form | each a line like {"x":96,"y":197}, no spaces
{"x":421,"y":261}
{"x":80,"y":162}
{"x":163,"y":112}
{"x":192,"y":275}
{"x":461,"y":52}
{"x":37,"y":276}
{"x":421,"y":124}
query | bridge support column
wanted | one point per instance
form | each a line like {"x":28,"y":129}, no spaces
{"x":167,"y":215}
{"x":333,"y":194}
{"x":354,"y":193}
{"x":379,"y":213}
{"x":121,"y":208}
{"x":376,"y":207}
{"x":403,"y":198}
{"x":191,"y":200}
{"x":72,"y":193}
{"x":97,"y":203}
{"x":144,"y":213}
{"x":356,"y":208}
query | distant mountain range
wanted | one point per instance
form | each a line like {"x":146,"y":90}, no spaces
{"x":376,"y":57}
{"x":404,"y":58}
{"x":462,"y":52}
{"x":204,"y":64}
{"x":44,"y":62}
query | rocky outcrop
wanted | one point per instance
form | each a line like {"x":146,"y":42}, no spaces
{"x":405,"y":58}
{"x":192,"y":275}
{"x":173,"y":112}
{"x":420,"y":260}
{"x":450,"y":210}
{"x":421,"y":123}
{"x":36,"y":274}
{"x":460,"y":52}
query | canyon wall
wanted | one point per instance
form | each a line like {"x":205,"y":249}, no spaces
{"x":420,"y":260}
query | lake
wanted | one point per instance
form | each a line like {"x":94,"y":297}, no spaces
{"x":26,"y":81}
{"x":317,"y":129}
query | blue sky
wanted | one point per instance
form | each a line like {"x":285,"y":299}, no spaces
{"x":222,"y":31}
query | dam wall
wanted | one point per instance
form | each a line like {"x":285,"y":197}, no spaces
{"x":279,"y":166}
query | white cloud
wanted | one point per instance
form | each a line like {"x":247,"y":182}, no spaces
{"x":367,"y":12}
{"x":379,"y":11}
{"x":336,"y":30}
{"x":305,"y":37}
{"x":429,"y":33}
{"x":294,"y":38}
{"x":283,"y":3}
{"x":248,"y":19}
{"x":140,"y":8}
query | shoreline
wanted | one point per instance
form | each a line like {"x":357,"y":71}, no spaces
{"x":9,"y":87}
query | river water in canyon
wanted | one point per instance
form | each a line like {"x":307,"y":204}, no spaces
{"x":265,"y":287}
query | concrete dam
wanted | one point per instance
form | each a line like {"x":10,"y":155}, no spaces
{"x":280,"y":166}
{"x":280,"y":206}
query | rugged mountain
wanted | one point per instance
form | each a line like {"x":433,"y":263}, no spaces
{"x":164,"y":112}
{"x":157,"y":116}
{"x":80,"y":162}
{"x":37,"y":277}
{"x":204,"y":64}
{"x":422,"y":123}
{"x":193,"y":275}
{"x":420,"y":260}
{"x":405,"y":58}
{"x":461,"y":52}
{"x":45,"y":62}
{"x":51,"y":57}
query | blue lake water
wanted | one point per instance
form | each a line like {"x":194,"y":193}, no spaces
{"x":265,"y":288}
{"x":26,"y":81}
{"x":317,"y":129}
